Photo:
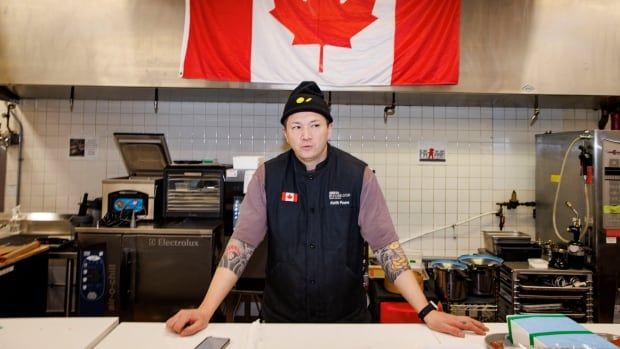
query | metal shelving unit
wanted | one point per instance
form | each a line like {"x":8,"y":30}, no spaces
{"x":524,"y":290}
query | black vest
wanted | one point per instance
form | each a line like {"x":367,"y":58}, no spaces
{"x":314,"y":265}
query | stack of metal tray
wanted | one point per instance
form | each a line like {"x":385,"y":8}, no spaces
{"x":493,"y":239}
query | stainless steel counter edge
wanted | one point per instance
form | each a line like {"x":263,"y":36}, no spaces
{"x":147,"y":229}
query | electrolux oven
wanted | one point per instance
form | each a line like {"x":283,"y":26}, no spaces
{"x":146,"y":273}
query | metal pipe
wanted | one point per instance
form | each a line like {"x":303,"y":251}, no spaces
{"x":2,"y":177}
{"x":20,"y":158}
{"x":453,"y":226}
{"x":536,"y":112}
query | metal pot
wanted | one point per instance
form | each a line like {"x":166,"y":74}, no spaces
{"x":450,"y":279}
{"x":483,"y":271}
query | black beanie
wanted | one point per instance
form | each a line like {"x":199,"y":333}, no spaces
{"x":306,"y":97}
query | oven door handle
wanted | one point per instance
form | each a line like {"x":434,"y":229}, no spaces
{"x":128,"y":273}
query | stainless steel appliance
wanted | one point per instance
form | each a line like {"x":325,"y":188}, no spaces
{"x":451,"y":278}
{"x":145,"y":273}
{"x":145,"y":156}
{"x":495,"y":239}
{"x":511,"y":245}
{"x":578,"y":187}
{"x":483,"y":270}
{"x":193,"y":191}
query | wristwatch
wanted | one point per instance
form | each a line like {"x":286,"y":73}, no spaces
{"x":426,"y":310}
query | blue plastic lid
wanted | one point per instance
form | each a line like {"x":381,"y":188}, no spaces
{"x":448,"y":264}
{"x":481,"y":260}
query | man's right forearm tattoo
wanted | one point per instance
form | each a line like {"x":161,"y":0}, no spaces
{"x":393,"y":260}
{"x":236,"y":256}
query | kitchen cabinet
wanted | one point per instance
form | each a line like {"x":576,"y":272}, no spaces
{"x":23,"y":284}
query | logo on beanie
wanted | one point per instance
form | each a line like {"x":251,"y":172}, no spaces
{"x":306,"y":97}
{"x":300,"y":100}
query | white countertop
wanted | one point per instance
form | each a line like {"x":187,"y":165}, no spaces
{"x":50,"y":332}
{"x":103,"y":332}
{"x":280,"y":336}
{"x":275,"y":336}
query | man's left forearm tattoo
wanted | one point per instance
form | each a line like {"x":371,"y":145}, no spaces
{"x":236,"y":256}
{"x":393,"y":260}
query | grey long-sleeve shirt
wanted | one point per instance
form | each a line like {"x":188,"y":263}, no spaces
{"x":374,"y":218}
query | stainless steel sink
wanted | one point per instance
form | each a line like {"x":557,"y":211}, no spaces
{"x":40,"y":223}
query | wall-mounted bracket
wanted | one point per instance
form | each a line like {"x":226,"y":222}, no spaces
{"x":389,"y":110}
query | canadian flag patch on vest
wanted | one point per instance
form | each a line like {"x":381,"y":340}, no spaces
{"x":290,"y":197}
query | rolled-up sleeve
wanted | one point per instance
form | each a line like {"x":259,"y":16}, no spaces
{"x":374,"y":217}
{"x":251,"y":226}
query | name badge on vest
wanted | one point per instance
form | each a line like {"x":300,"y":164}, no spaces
{"x":289,"y":197}
{"x":337,"y":198}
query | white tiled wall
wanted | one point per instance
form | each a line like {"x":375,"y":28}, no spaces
{"x":490,"y":152}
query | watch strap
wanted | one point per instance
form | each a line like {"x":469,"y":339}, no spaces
{"x":426,"y":310}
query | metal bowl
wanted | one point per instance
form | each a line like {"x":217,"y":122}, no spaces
{"x":448,"y":264}
{"x":477,"y":260}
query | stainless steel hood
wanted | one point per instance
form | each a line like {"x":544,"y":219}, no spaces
{"x":230,"y":95}
{"x":510,"y":50}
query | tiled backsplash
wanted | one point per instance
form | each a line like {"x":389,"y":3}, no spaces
{"x":489,"y":151}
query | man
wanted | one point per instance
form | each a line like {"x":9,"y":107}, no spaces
{"x":317,"y":205}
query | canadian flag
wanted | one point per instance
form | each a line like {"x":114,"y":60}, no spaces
{"x":333,"y":42}
{"x":290,"y":197}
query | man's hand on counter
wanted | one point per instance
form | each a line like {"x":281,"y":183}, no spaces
{"x":188,"y":321}
{"x":454,"y":325}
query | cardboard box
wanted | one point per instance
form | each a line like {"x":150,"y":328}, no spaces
{"x":247,"y":162}
{"x":552,"y":331}
{"x":375,"y":272}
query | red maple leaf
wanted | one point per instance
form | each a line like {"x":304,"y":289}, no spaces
{"x":324,"y":22}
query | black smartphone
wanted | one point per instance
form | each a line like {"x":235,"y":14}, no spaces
{"x":213,"y":343}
